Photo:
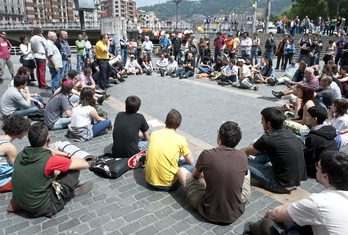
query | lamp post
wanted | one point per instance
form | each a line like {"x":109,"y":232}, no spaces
{"x":254,"y":16}
{"x":177,"y":14}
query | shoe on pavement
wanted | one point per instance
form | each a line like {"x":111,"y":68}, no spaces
{"x":162,"y":73}
{"x":84,"y":188}
{"x":180,"y":76}
{"x":101,"y":100}
{"x":137,"y":160}
{"x":45,"y":87}
{"x":256,"y":88}
{"x":107,"y":96}
{"x":121,"y":79}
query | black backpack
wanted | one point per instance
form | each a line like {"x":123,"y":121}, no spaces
{"x":107,"y":166}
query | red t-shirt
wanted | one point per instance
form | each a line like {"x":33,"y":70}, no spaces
{"x":58,"y":163}
{"x":219,"y":42}
{"x":4,"y":45}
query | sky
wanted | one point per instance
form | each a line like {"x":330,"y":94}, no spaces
{"x":142,"y":3}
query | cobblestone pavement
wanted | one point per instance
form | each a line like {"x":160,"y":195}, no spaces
{"x":127,"y":205}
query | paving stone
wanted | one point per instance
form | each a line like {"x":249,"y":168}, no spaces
{"x":54,"y":222}
{"x":76,"y":214}
{"x":96,"y":231}
{"x":135,"y":215}
{"x":148,"y":231}
{"x":99,"y":221}
{"x":130,"y":228}
{"x":68,"y":225}
{"x":79,"y":229}
{"x":17,"y":227}
{"x":88,"y":217}
{"x":180,"y":215}
{"x":149,"y":219}
{"x":108,"y":209}
{"x":164,"y":212}
{"x":113,"y":225}
{"x":165,"y":223}
{"x":181,"y":226}
{"x":99,"y":197}
{"x":31,"y":230}
{"x":169,"y":231}
{"x":195,"y":231}
{"x":121,"y":212}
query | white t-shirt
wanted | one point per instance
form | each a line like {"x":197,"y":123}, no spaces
{"x":245,"y":70}
{"x":228,"y":70}
{"x":246,"y":43}
{"x":81,"y":116}
{"x":326,"y":212}
{"x":172,"y":65}
{"x":341,"y":125}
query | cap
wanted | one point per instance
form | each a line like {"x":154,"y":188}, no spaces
{"x":241,"y":60}
{"x":131,"y":56}
{"x":230,"y":35}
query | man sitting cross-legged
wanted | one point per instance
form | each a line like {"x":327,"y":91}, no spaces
{"x":40,"y":174}
{"x":220,"y":194}
{"x":164,"y":153}
{"x":280,"y":147}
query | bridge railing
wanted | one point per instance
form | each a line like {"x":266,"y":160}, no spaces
{"x":71,"y":25}
{"x":17,"y":51}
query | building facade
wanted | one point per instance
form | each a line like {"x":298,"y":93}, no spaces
{"x":124,"y":9}
{"x":12,"y":11}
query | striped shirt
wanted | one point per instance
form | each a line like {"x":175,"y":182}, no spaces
{"x":53,"y":51}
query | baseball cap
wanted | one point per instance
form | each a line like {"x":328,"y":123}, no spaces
{"x":131,"y":56}
{"x":230,"y":35}
{"x":241,"y":60}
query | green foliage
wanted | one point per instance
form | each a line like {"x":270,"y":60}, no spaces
{"x":213,"y":7}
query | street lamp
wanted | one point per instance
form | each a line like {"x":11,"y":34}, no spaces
{"x":177,"y":14}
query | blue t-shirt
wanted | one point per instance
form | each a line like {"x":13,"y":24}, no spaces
{"x":6,"y":167}
{"x":165,"y":42}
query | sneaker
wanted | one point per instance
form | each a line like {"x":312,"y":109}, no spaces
{"x":30,"y":84}
{"x":124,"y":76}
{"x":172,"y":75}
{"x":84,"y":188}
{"x":100,"y":100}
{"x":107,"y":96}
{"x":256,"y":88}
{"x":137,"y":160}
{"x":277,"y":94}
{"x":121,"y":80}
{"x":180,"y":76}
{"x":45,"y":87}
{"x":162,"y":72}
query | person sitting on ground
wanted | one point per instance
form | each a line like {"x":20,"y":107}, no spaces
{"x":17,"y":99}
{"x":188,"y":68}
{"x":86,"y":63}
{"x":323,"y":211}
{"x":164,"y":152}
{"x":14,"y":127}
{"x":132,"y":67}
{"x":130,"y":127}
{"x":172,"y":66}
{"x":147,"y":66}
{"x":324,"y":95}
{"x":162,"y":64}
{"x":245,"y":79}
{"x":281,"y":147}
{"x":44,"y":179}
{"x":338,"y":118}
{"x":320,"y":138}
{"x":267,"y":73}
{"x":85,"y":79}
{"x":81,"y":127}
{"x":230,"y":73}
{"x":217,"y":67}
{"x":343,"y":78}
{"x":58,"y":113}
{"x":206,"y":65}
{"x":220,"y":183}
{"x":297,"y":123}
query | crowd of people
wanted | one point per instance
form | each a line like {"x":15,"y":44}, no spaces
{"x":302,"y":139}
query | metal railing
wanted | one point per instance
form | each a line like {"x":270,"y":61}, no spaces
{"x":71,"y":25}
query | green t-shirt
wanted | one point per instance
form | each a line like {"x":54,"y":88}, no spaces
{"x":80,"y":47}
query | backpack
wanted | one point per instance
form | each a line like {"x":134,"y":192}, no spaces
{"x":193,"y":49}
{"x":109,"y":167}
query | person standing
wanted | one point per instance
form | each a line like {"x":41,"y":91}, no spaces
{"x":38,"y":45}
{"x":281,"y":52}
{"x":177,"y":45}
{"x":88,"y":47}
{"x":148,"y":46}
{"x":55,"y":62}
{"x":28,"y":59}
{"x":139,"y":46}
{"x":339,"y":48}
{"x":80,"y":52}
{"x":67,"y":66}
{"x":245,"y":45}
{"x":124,"y":48}
{"x":270,"y":46}
{"x":165,"y":43}
{"x":254,"y":48}
{"x":218,"y":43}
{"x":5,"y":57}
{"x":338,"y":25}
{"x":112,"y":49}
{"x":102,"y":51}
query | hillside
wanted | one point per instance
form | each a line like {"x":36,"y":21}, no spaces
{"x":213,"y":7}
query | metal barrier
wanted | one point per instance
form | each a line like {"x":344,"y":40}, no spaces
{"x":72,"y":25}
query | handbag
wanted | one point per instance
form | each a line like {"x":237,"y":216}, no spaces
{"x":107,"y":166}
{"x":193,"y":49}
{"x":21,"y":59}
{"x":259,"y":51}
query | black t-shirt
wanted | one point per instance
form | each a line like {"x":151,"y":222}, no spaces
{"x":208,"y":61}
{"x":94,"y":66}
{"x":190,"y":62}
{"x":286,"y":156}
{"x":305,"y":44}
{"x":126,"y":134}
{"x":177,"y":43}
{"x":345,"y":54}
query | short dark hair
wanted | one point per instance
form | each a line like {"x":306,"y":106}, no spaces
{"x":37,"y":134}
{"x":59,"y":33}
{"x":19,"y":80}
{"x":72,"y":73}
{"x":132,"y":104}
{"x":230,"y":134}
{"x":335,"y":164}
{"x":37,"y":31}
{"x":22,"y":38}
{"x":22,"y":70}
{"x":87,"y":70}
{"x":173,"y":119}
{"x":318,"y":112}
{"x":341,"y":106}
{"x":274,"y":116}
{"x":270,"y":33}
{"x":15,"y":125}
{"x":345,"y":68}
{"x":102,"y":36}
{"x":218,"y":33}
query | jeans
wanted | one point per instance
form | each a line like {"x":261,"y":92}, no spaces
{"x":186,"y":75}
{"x":254,"y":54}
{"x":41,"y":72}
{"x":326,"y":29}
{"x":73,"y":99}
{"x":232,"y":78}
{"x":296,"y":29}
{"x":100,"y":126}
{"x":300,"y":56}
{"x":26,"y":112}
{"x":66,"y":68}
{"x":103,"y":73}
{"x":124,"y":54}
{"x":61,"y":123}
{"x":55,"y":77}
{"x":87,"y":55}
{"x":205,"y":69}
{"x":142,"y":145}
{"x":200,"y":56}
{"x":138,"y":53}
{"x":181,"y":163}
{"x":263,"y":172}
{"x":217,"y":53}
{"x":79,"y":62}
{"x":311,"y":61}
{"x":268,"y":55}
{"x":288,"y":58}
{"x":245,"y":53}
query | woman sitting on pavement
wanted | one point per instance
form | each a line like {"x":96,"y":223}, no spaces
{"x":267,"y":72}
{"x":147,"y":66}
{"x":81,"y":127}
{"x":338,"y":118}
{"x":57,"y":114}
{"x":297,"y":125}
{"x":15,"y":127}
{"x":87,"y":64}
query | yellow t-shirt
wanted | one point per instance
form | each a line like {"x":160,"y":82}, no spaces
{"x":163,"y":153}
{"x":100,"y":47}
